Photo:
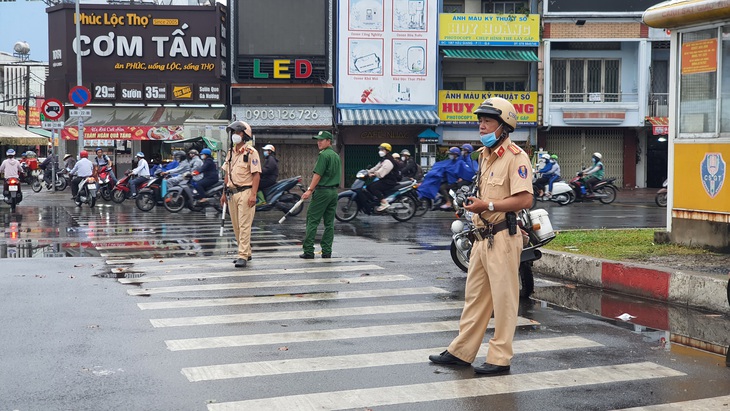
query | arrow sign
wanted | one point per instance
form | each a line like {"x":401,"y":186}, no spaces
{"x":79,"y":96}
{"x":52,"y":109}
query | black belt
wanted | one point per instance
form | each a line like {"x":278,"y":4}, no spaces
{"x":237,"y":189}
{"x":327,"y":186}
{"x":488,"y":232}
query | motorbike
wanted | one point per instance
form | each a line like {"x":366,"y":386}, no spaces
{"x":122,"y":190}
{"x":535,"y":225}
{"x":87,"y":192}
{"x":105,"y":183}
{"x":604,"y":191}
{"x":661,"y":195}
{"x":29,"y":175}
{"x":178,"y":197}
{"x":61,"y":182}
{"x":562,"y":192}
{"x":150,"y":193}
{"x":278,"y":196}
{"x":12,"y":193}
{"x":357,"y":199}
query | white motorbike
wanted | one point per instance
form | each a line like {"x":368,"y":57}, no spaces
{"x":87,"y":192}
{"x":561,"y":193}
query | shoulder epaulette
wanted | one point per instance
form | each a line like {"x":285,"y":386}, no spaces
{"x":514,"y":148}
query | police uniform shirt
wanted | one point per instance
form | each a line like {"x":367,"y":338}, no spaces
{"x":240,"y":172}
{"x":504,"y":172}
{"x":83,"y":168}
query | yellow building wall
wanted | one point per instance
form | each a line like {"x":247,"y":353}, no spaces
{"x":689,"y":190}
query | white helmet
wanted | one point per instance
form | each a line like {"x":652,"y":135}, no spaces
{"x":396,"y":156}
{"x":545,"y":156}
{"x":269,"y":147}
{"x":598,"y":155}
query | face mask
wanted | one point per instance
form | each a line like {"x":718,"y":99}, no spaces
{"x":266,"y":153}
{"x":381,"y":153}
{"x":236,"y":139}
{"x":452,"y":156}
{"x":489,"y":140}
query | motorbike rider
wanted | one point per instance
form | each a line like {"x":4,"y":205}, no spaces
{"x":409,"y":169}
{"x":549,"y":173}
{"x":69,"y":161}
{"x":555,"y":171}
{"x":142,"y":171}
{"x":183,"y":167}
{"x":593,"y":174}
{"x":83,"y":168}
{"x":102,"y":161}
{"x":10,"y":167}
{"x":387,"y":172}
{"x":195,"y":163}
{"x":466,"y":151}
{"x":269,"y":172}
{"x":47,"y":166}
{"x":209,"y":171}
{"x":398,"y":162}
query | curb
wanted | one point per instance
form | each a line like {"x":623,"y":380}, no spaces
{"x":704,"y":291}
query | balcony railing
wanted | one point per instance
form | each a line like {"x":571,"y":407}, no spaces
{"x":593,"y":97}
{"x":658,"y":105}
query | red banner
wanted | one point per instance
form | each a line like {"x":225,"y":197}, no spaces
{"x":124,"y":133}
{"x":34,"y":116}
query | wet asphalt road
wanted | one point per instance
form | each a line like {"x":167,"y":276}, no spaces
{"x":174,"y":333}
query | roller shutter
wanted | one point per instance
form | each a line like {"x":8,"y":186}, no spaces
{"x":568,"y":144}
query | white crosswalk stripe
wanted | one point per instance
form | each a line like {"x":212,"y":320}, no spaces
{"x":705,"y":404}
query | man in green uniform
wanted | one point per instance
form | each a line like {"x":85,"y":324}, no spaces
{"x":323,"y":190}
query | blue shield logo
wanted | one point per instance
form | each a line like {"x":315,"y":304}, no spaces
{"x":712,"y":170}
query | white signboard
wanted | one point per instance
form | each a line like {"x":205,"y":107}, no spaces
{"x":387,"y":52}
{"x":284,"y":116}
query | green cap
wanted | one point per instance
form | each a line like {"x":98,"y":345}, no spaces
{"x":323,"y":135}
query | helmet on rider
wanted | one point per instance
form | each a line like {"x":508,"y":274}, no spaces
{"x":554,"y":157}
{"x":396,"y":156}
{"x":405,"y":152}
{"x":84,"y":154}
{"x":386,"y":147}
{"x":140,"y":154}
{"x":499,"y":109}
{"x":179,"y":155}
{"x":454,"y":150}
{"x":545,"y":156}
{"x":238,"y":126}
{"x":269,"y":147}
{"x":598,"y":155}
{"x":10,"y":152}
{"x":193,"y":152}
{"x":467,"y":147}
{"x":24,"y":154}
{"x":206,"y":152}
{"x":67,"y":156}
{"x":98,"y":149}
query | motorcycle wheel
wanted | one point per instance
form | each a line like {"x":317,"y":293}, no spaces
{"x":610,"y":193}
{"x":61,"y":184}
{"x":346,"y":210}
{"x":118,"y":196}
{"x":12,"y":205}
{"x":145,"y":202}
{"x":661,"y":199}
{"x":406,"y":208}
{"x":92,"y":202}
{"x":295,"y":198}
{"x":106,"y":194}
{"x":424,"y":204}
{"x":566,"y":198}
{"x":460,"y":261}
{"x":36,"y":186}
{"x":527,"y":281}
{"x":173,"y":202}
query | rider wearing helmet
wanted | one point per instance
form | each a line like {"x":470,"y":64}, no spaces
{"x":176,"y":173}
{"x":142,"y":171}
{"x":208,"y":170}
{"x":409,"y":169}
{"x":69,"y":161}
{"x":388,"y":173}
{"x":593,"y":174}
{"x":466,"y":150}
{"x":195,"y":162}
{"x":83,"y":169}
{"x":269,"y":171}
{"x":11,"y":167}
{"x":549,"y":173}
{"x":102,"y":161}
{"x":505,"y":186}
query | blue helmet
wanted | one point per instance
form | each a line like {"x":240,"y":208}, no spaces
{"x":140,"y":154}
{"x":98,"y":149}
{"x":467,"y":147}
{"x":455,"y":150}
{"x":206,"y":151}
{"x":10,"y":152}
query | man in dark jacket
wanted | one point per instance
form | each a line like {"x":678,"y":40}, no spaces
{"x":409,"y":169}
{"x":269,"y":172}
{"x":209,"y":171}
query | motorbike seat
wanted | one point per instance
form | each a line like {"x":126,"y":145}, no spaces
{"x":216,"y":187}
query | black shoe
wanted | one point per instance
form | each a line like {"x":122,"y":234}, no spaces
{"x":326,"y":255}
{"x":445,"y":358}
{"x":248,"y":259}
{"x":306,"y":256}
{"x":491,"y":369}
{"x":240,"y":263}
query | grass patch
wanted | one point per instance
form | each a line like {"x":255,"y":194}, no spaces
{"x":626,"y":244}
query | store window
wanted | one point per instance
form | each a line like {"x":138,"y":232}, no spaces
{"x":504,"y":7}
{"x":585,"y":80}
{"x":504,"y":86}
{"x":453,"y":6}
{"x":454,"y":83}
{"x":698,"y":101}
{"x":725,"y":93}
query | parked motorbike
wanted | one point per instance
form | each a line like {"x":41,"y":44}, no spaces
{"x":12,"y":193}
{"x":182,"y":196}
{"x":534,"y":224}
{"x":604,"y":191}
{"x":87,"y":192}
{"x":279,"y":197}
{"x":105,"y":183}
{"x":562,"y":192}
{"x":122,"y":190}
{"x":150,"y":193}
{"x":355,"y":200}
{"x":661,"y":195}
{"x":61,"y":182}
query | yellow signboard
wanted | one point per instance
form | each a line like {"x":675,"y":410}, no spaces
{"x":462,"y":29}
{"x":700,"y":177}
{"x":457,"y":106}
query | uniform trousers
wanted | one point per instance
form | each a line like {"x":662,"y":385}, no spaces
{"x":492,"y":285}
{"x":321,"y":208}
{"x":242,"y":219}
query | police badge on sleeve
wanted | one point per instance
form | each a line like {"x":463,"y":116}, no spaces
{"x":712,"y":170}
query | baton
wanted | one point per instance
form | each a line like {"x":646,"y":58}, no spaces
{"x":291,"y":210}
{"x":223,"y":218}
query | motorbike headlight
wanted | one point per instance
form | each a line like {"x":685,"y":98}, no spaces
{"x":457,"y":226}
{"x":361,"y":174}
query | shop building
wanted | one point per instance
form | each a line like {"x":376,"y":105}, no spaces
{"x":284,"y":87}
{"x":698,"y":208}
{"x":605,"y":83}
{"x":148,"y":68}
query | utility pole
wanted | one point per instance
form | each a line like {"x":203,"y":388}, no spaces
{"x":78,"y":71}
{"x":27,"y":95}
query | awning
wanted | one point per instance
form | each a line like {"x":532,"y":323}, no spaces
{"x":41,"y":132}
{"x":148,"y":116}
{"x":657,"y":121}
{"x":351,"y":117}
{"x":212,"y":144}
{"x":14,"y":135}
{"x":490,"y":54}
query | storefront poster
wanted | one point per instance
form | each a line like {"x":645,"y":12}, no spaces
{"x":34,"y":116}
{"x":489,"y":30}
{"x":457,"y":106}
{"x":387,"y":52}
{"x":163,"y":133}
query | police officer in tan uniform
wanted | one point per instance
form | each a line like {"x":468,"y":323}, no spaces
{"x":243,"y":172}
{"x":492,"y":283}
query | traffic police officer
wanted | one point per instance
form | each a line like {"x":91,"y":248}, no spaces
{"x":492,"y":284}
{"x":323,"y":190}
{"x":242,"y":170}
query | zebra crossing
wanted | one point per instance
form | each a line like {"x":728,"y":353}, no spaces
{"x":370,"y":299}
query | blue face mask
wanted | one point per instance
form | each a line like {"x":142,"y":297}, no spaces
{"x":490,"y":139}
{"x":266,"y":153}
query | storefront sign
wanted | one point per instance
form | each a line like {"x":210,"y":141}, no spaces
{"x":34,"y":116}
{"x":457,"y":106}
{"x":660,"y":130}
{"x":124,"y":133}
{"x":167,"y":45}
{"x":284,"y":116}
{"x":387,"y":53}
{"x":699,"y":56}
{"x":489,"y":29}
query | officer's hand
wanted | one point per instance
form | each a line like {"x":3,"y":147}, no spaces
{"x":252,"y":199}
{"x":306,"y":195}
{"x":475,"y":205}
{"x":223,"y":200}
